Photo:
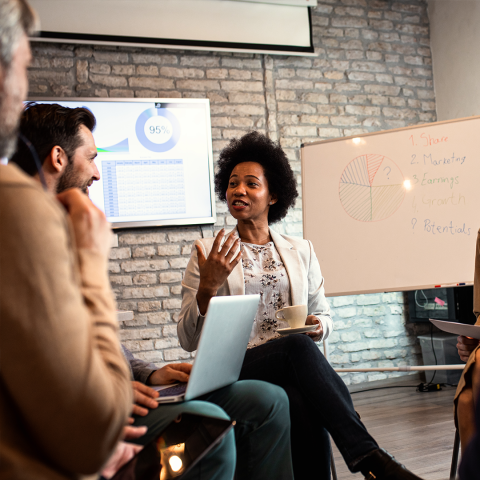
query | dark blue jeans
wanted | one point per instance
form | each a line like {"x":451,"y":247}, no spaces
{"x":319,"y":403}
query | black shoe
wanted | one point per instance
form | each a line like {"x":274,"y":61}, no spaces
{"x":380,"y":465}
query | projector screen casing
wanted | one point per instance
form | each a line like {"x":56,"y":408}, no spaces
{"x":206,"y":174}
{"x":180,"y":24}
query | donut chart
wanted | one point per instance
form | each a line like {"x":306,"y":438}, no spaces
{"x":371,"y":188}
{"x":157,"y":129}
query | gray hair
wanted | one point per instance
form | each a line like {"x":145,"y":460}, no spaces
{"x":16,"y":18}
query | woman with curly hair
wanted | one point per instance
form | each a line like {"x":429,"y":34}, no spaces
{"x":256,"y":181}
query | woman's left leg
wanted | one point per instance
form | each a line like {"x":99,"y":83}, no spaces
{"x":311,"y":447}
{"x":296,"y":361}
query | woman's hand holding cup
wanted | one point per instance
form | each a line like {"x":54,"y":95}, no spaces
{"x":317,"y":334}
{"x":215,"y":269}
{"x":297,"y":316}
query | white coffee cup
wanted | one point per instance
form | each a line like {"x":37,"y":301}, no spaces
{"x":295,"y":316}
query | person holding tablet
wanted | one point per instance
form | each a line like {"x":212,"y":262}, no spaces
{"x":256,"y":181}
{"x":466,"y":396}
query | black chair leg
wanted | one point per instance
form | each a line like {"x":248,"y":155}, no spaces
{"x":456,"y":449}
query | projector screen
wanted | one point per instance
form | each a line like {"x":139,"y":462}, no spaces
{"x":154,"y":158}
{"x":186,"y":24}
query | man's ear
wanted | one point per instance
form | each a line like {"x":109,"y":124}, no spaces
{"x":56,"y":160}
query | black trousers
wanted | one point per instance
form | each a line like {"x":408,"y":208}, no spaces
{"x":319,"y":403}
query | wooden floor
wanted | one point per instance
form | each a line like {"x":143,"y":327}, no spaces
{"x":416,"y":428}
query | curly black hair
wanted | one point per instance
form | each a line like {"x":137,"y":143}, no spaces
{"x":255,"y":147}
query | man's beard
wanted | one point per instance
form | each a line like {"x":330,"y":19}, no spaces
{"x":69,"y":179}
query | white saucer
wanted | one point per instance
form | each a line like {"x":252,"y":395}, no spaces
{"x":288,"y":331}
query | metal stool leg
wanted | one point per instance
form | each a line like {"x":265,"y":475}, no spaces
{"x":332,"y":466}
{"x":456,"y":448}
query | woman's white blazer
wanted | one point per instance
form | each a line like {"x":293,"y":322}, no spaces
{"x":303,"y":269}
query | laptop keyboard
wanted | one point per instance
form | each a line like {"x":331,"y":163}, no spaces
{"x":175,"y":390}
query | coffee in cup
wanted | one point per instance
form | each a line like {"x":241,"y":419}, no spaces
{"x":295,"y":316}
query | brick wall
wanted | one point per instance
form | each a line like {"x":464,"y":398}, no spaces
{"x":372,"y":72}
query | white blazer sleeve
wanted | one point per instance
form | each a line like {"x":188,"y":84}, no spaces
{"x":190,"y":321}
{"x":317,"y":303}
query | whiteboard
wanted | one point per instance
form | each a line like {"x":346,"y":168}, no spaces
{"x":394,"y":210}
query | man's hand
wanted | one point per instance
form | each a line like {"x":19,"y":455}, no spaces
{"x":123,"y":453}
{"x":92,"y":231}
{"x":317,"y":334}
{"x":131,"y":433}
{"x":466,"y":346}
{"x":143,"y":396}
{"x":176,"y":372}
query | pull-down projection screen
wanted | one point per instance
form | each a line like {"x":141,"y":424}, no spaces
{"x":221,"y":25}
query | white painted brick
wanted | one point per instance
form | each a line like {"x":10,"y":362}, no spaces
{"x":346,"y":312}
{"x":179,"y":262}
{"x":172,"y":303}
{"x":169,"y":331}
{"x":145,"y":292}
{"x":121,"y":280}
{"x":294,"y":84}
{"x":149,"y":306}
{"x":113,"y":267}
{"x":163,"y":343}
{"x":200,"y":61}
{"x":136,"y":322}
{"x":144,"y":265}
{"x":187,"y":236}
{"x":329,"y":132}
{"x":123,"y":69}
{"x":350,"y":336}
{"x":138,"y":345}
{"x":387,"y":343}
{"x":139,"y":334}
{"x":372,"y":333}
{"x":108,"y":80}
{"x":154,"y":356}
{"x":141,"y":239}
{"x":176,"y":354}
{"x":155,"y":318}
{"x":372,"y":299}
{"x":170,"y":277}
{"x":168,"y":250}
{"x":352,"y":347}
{"x":145,"y":279}
{"x":154,"y":83}
{"x":342,"y":301}
{"x":119,"y":253}
{"x":101,"y":68}
{"x":147,"y":251}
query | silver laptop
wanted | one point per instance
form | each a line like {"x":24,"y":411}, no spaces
{"x":221,"y":349}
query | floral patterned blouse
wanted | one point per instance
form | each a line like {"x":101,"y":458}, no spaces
{"x":265,"y":274}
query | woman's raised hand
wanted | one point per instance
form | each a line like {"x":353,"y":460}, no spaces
{"x":216,"y":268}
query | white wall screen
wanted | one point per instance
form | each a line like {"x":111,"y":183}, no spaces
{"x":187,"y":24}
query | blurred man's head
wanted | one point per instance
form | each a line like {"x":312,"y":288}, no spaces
{"x":17,"y":20}
{"x":63,"y":140}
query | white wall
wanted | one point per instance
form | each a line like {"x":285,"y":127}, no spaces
{"x":455,"y":44}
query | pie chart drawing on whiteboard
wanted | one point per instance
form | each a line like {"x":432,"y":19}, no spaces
{"x":371,"y":188}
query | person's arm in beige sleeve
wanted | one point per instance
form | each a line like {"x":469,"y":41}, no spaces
{"x":190,"y":319}
{"x":317,"y":303}
{"x":61,"y":358}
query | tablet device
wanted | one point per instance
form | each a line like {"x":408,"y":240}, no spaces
{"x":177,"y":449}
